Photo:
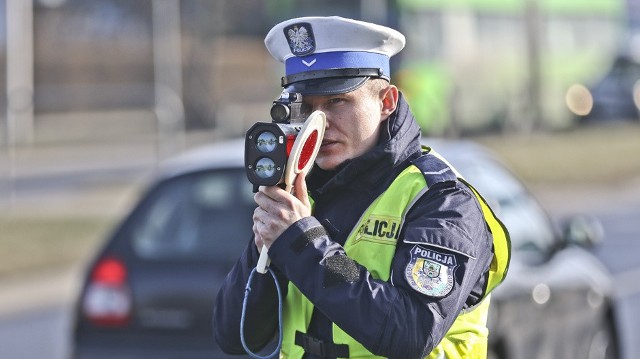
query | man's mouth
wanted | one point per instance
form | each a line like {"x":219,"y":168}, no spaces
{"x":327,"y":143}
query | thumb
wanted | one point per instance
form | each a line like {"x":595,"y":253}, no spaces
{"x":300,"y":188}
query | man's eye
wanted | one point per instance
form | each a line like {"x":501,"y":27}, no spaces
{"x":336,"y":100}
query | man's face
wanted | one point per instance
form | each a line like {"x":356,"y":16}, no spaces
{"x":353,"y":122}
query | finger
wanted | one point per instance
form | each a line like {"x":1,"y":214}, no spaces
{"x":258,"y":228}
{"x":265,"y":199}
{"x":267,"y":195}
{"x":258,"y":195}
{"x":257,"y":240}
{"x":257,"y":213}
{"x":300,"y":188}
{"x":264,"y":221}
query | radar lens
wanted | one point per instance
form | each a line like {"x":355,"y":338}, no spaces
{"x":265,"y":168}
{"x":266,"y":142}
{"x":280,"y":113}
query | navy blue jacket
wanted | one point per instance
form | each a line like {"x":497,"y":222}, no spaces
{"x":394,"y":319}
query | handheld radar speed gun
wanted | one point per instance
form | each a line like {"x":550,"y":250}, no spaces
{"x":276,"y":152}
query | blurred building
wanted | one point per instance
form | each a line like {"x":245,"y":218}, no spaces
{"x":3,"y":72}
{"x":96,"y":65}
{"x":98,"y":56}
{"x":201,"y":64}
{"x":506,"y":64}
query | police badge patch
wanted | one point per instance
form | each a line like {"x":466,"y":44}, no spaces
{"x":300,"y":38}
{"x":430,"y":272}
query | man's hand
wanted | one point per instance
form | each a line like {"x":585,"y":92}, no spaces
{"x":277,"y":210}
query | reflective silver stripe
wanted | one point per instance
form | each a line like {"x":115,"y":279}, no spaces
{"x":438,"y":172}
{"x":439,"y":156}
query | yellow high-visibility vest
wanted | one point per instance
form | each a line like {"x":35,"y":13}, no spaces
{"x":467,"y":337}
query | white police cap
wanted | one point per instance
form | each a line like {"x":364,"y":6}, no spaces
{"x":332,"y":55}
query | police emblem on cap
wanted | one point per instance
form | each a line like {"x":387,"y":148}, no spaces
{"x":300,"y":38}
{"x":430,"y":272}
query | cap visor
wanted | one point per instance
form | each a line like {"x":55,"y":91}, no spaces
{"x":332,"y":86}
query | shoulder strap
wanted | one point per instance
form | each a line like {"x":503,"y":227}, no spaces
{"x":434,"y":168}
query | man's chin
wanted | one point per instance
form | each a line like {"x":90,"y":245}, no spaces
{"x":327,"y":163}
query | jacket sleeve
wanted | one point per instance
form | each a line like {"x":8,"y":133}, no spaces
{"x":261,"y":318}
{"x":393,"y":319}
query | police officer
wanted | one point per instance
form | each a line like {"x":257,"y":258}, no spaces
{"x":382,"y":249}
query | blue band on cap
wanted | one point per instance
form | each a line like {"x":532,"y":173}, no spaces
{"x":337,"y":60}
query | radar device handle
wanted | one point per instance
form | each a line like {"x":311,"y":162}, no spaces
{"x":303,"y":154}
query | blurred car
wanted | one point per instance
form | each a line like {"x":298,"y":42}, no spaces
{"x":557,"y":300}
{"x":149,"y":292}
{"x":615,"y":97}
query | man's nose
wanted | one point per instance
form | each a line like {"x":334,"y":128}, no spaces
{"x":326,"y":114}
{"x":327,"y":122}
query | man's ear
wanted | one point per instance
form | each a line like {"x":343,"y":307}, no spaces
{"x":389,"y":97}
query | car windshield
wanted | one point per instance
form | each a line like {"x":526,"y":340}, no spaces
{"x":204,"y":215}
